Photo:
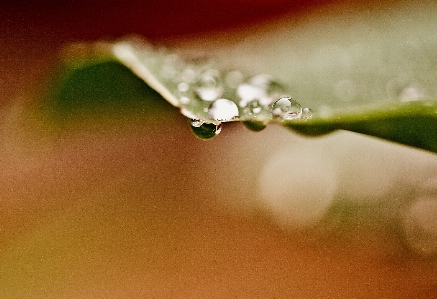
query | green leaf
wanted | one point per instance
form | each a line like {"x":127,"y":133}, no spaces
{"x":373,"y":83}
{"x":409,"y":123}
{"x":101,"y":89}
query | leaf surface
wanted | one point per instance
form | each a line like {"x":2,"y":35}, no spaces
{"x":372,"y":72}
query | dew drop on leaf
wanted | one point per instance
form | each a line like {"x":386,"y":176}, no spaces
{"x":254,"y":108}
{"x":206,"y":131}
{"x":248,"y":93}
{"x":182,"y":93}
{"x":196,"y":122}
{"x":287,"y":109}
{"x":184,"y":100}
{"x":183,"y":86}
{"x":254,"y":125}
{"x":272,"y":88}
{"x":262,"y":88}
{"x":223,"y":110}
{"x":218,"y":128}
{"x":209,"y":86}
{"x":307,"y":113}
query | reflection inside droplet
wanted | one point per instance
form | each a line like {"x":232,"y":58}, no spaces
{"x":307,"y":113}
{"x":262,"y":88}
{"x":182,"y":93}
{"x":196,"y":122}
{"x":183,"y":86}
{"x":218,"y":128}
{"x":206,"y":130}
{"x":253,"y":108}
{"x":223,"y":110}
{"x":412,"y":93}
{"x":208,"y":86}
{"x":287,"y":109}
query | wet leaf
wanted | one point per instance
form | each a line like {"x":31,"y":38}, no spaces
{"x":377,"y":83}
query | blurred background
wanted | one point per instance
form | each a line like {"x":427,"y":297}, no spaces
{"x":32,"y":31}
{"x":138,"y":207}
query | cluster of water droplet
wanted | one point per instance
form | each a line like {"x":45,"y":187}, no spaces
{"x":230,"y":96}
{"x":208,"y":96}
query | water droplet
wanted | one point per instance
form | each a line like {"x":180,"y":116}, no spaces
{"x":206,"y":131}
{"x":248,"y":93}
{"x":287,"y":109}
{"x":262,"y":88}
{"x":254,"y":108}
{"x":254,"y":125}
{"x":412,"y":93}
{"x":196,"y":122}
{"x":307,"y":113}
{"x":218,"y":128}
{"x":223,"y":110}
{"x":182,"y":93}
{"x":271,"y":87}
{"x":184,"y":100}
{"x":208,"y":86}
{"x":183,"y":86}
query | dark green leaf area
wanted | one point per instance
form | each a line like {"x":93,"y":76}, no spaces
{"x":205,"y":131}
{"x":408,"y":123}
{"x":103,"y":89}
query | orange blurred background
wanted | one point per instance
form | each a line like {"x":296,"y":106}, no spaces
{"x":105,"y":213}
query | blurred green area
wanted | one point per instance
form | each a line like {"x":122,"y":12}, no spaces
{"x":101,"y":90}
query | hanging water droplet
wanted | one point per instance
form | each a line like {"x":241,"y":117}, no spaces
{"x":307,"y":113}
{"x":218,"y":128}
{"x":209,"y":86}
{"x":287,"y":109}
{"x":223,"y":110}
{"x":206,"y":131}
{"x":196,"y":122}
{"x":254,"y":125}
